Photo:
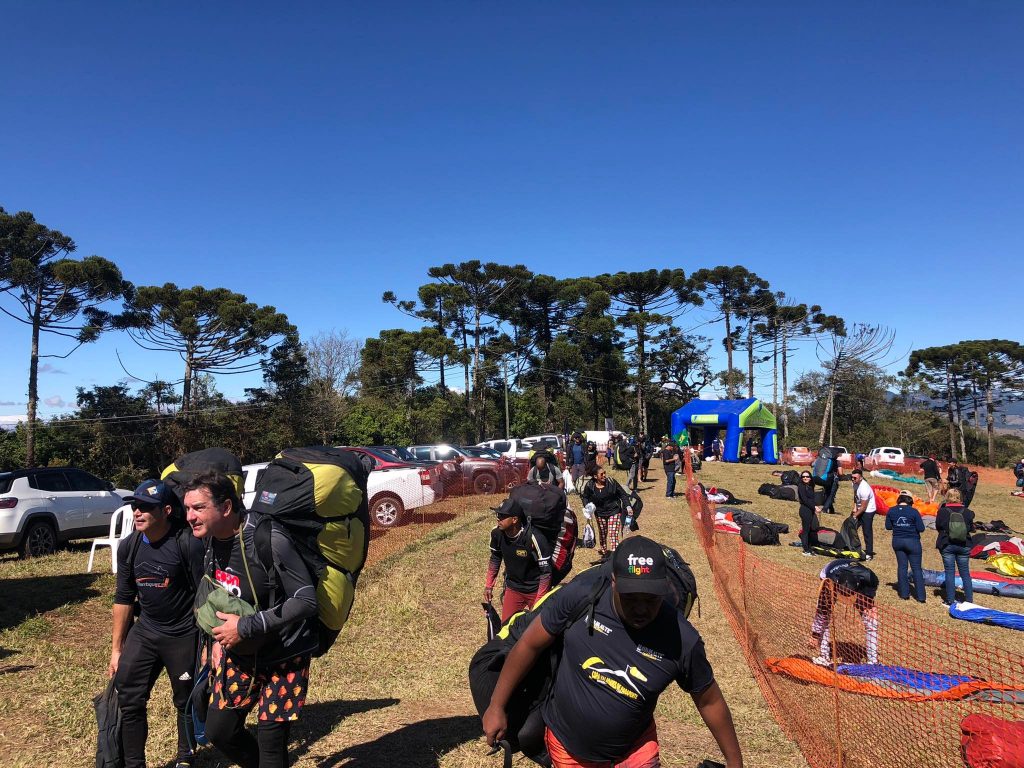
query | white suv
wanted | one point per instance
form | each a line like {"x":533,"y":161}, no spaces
{"x":43,"y":508}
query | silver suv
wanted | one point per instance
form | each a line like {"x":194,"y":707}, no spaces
{"x":43,"y":508}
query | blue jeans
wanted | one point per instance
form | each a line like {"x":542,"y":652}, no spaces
{"x":954,"y":557}
{"x":670,"y":480}
{"x":908,"y":553}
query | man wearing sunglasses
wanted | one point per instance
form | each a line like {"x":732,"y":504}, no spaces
{"x":158,"y":567}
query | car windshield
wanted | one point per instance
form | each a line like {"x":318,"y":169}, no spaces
{"x":481,"y":452}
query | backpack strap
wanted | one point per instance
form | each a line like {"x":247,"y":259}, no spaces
{"x":133,"y":553}
{"x":183,"y":553}
{"x":261,"y":537}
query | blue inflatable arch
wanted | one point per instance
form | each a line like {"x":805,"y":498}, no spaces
{"x":735,"y":417}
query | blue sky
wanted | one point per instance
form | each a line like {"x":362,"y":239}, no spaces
{"x":864,"y":156}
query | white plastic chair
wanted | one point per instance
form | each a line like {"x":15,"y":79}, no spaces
{"x":121,"y":518}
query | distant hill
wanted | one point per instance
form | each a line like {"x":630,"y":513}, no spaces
{"x":1009,"y":416}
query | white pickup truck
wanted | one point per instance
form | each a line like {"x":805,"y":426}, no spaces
{"x":393,"y":492}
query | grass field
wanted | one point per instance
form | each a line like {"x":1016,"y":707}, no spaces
{"x":392,"y":692}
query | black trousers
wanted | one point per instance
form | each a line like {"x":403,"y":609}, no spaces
{"x":806,"y":536}
{"x":225,"y":728}
{"x":144,"y":655}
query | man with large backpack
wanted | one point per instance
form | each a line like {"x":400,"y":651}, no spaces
{"x":262,"y":621}
{"x":619,"y":651}
{"x":159,"y":565}
{"x":526,"y":554}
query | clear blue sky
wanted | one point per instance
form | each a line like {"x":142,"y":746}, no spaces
{"x":865,"y":156}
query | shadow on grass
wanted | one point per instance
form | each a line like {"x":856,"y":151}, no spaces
{"x":416,"y":745}
{"x":24,"y":598}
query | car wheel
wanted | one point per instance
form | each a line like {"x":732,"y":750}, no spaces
{"x":485,"y":484}
{"x":40,"y":539}
{"x":387,"y":511}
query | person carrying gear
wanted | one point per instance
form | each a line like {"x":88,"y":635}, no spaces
{"x":526,"y":554}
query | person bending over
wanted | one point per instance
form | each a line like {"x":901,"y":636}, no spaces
{"x":601,"y":708}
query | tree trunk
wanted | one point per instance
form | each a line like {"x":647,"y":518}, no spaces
{"x":990,"y":425}
{"x":641,"y":373}
{"x":833,"y":381}
{"x":949,"y":411}
{"x":775,"y":371}
{"x":730,"y":391}
{"x":33,"y":382}
{"x":597,"y":410}
{"x":440,"y":330}
{"x":785,"y":385}
{"x":959,"y":418}
{"x":750,"y":357}
{"x":186,"y":391}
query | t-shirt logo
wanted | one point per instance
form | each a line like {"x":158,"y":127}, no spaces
{"x":620,"y":681}
{"x":229,"y":581}
{"x":521,"y":553}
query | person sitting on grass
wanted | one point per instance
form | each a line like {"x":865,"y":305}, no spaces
{"x":848,"y":581}
{"x":906,"y":525}
{"x":527,"y":557}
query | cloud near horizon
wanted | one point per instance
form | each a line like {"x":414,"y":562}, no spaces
{"x":47,"y":368}
{"x":55,"y":402}
{"x":9,"y":402}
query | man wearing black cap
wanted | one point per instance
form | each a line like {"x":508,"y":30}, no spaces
{"x":526,"y":553}
{"x":601,"y":708}
{"x":158,"y":566}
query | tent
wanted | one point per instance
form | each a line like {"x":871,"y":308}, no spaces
{"x":735,"y":416}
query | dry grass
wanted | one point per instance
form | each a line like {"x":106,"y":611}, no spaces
{"x":392,"y":692}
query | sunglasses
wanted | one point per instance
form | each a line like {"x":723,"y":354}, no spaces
{"x":136,"y":507}
{"x":805,"y":477}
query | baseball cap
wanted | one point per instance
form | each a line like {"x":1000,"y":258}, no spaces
{"x":639,"y":566}
{"x":508,"y":508}
{"x":151,"y":492}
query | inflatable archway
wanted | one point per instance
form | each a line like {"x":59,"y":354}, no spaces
{"x":735,"y":416}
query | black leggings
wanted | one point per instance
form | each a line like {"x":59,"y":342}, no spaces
{"x":806,"y":535}
{"x":225,"y":728}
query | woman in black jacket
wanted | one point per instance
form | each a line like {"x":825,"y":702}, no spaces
{"x":808,"y":508}
{"x":608,"y":498}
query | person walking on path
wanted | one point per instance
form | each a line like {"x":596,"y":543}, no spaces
{"x":634,"y":455}
{"x":600,"y":712}
{"x":608,"y":498}
{"x":526,"y":554}
{"x":576,"y":457}
{"x":669,"y":455}
{"x":808,"y":512}
{"x":158,"y":567}
{"x":932,"y":477}
{"x":543,"y":473}
{"x":864,"y":510}
{"x":907,"y":525}
{"x":260,"y":660}
{"x":954,"y":523}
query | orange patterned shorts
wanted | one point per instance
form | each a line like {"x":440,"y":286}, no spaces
{"x":278,"y":692}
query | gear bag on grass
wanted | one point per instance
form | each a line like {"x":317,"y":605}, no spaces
{"x":177,"y":475}
{"x":826,"y":465}
{"x":545,"y":508}
{"x":525,"y":730}
{"x":317,"y":495}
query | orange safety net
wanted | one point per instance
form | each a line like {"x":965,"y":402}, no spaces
{"x":841,"y":721}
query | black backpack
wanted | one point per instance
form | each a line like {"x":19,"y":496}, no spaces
{"x":790,"y":477}
{"x":758,"y":533}
{"x":545,"y":509}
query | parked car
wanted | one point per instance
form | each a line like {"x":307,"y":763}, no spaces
{"x":376,"y":459}
{"x":798,"y":456}
{"x":553,"y":443}
{"x":40,"y":509}
{"x":884,"y":458}
{"x":392,"y":493}
{"x":845,"y":458}
{"x":511,"y":448}
{"x":478,"y":475}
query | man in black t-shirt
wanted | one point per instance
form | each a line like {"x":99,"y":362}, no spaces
{"x":602,"y":702}
{"x":930,"y":468}
{"x":526,"y":553}
{"x":158,"y":567}
{"x":669,"y":454}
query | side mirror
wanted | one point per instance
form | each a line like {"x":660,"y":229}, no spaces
{"x":109,"y":485}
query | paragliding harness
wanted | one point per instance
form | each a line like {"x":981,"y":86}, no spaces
{"x":317,"y":497}
{"x":544,"y":507}
{"x":525,"y":732}
{"x":846,"y":542}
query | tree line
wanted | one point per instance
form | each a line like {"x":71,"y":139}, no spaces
{"x":533,"y":353}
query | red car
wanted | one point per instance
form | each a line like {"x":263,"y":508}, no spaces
{"x":798,"y":456}
{"x":478,"y":474}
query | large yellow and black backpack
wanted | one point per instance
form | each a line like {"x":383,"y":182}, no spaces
{"x":317,"y":495}
{"x":177,"y":475}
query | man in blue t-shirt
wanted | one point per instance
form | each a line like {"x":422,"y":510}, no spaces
{"x":602,"y":702}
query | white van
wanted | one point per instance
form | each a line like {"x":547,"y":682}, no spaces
{"x":881,"y":458}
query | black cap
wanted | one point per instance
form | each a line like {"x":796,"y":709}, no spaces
{"x":152,"y":493}
{"x":508,"y":508}
{"x":639,"y":566}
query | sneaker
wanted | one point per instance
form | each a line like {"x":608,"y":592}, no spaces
{"x":821,"y":661}
{"x":869,"y":557}
{"x":808,"y":554}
